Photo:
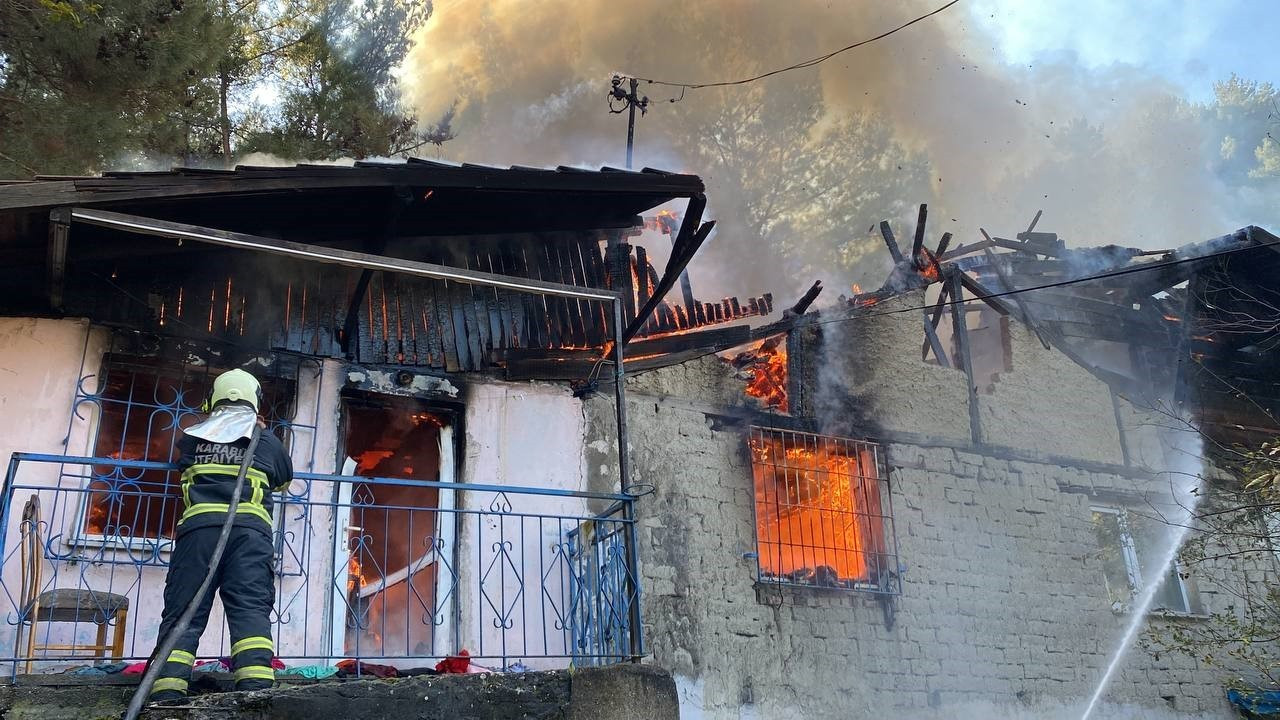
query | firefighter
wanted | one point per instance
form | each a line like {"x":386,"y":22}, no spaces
{"x":211,"y":454}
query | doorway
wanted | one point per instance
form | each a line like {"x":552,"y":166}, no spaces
{"x":395,"y":538}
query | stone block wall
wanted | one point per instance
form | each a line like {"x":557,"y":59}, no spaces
{"x":1003,"y":613}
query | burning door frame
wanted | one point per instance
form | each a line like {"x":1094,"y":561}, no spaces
{"x":823,"y":512}
{"x":354,"y":604}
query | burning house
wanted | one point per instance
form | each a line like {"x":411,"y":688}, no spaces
{"x":927,"y":498}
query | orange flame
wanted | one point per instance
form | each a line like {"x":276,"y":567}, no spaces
{"x":817,"y":509}
{"x":766,"y":368}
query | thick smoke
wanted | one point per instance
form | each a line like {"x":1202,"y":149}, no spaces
{"x":1111,"y":156}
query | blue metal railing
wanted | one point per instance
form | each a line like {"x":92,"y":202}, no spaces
{"x":381,"y":569}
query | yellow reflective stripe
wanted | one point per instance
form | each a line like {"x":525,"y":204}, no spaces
{"x":254,"y":475}
{"x":243,"y":507}
{"x":163,"y":684}
{"x":255,"y":672}
{"x":182,"y":656}
{"x":252,"y":643}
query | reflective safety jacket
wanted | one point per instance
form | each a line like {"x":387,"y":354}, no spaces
{"x":209,"y":471}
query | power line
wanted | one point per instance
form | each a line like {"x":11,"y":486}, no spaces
{"x":800,"y":65}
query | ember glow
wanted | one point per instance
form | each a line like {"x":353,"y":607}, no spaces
{"x":818,"y":516}
{"x":764,"y":367}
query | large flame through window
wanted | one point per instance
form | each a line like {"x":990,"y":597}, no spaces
{"x":820,"y":519}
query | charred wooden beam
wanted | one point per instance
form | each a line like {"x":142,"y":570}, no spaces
{"x":932,"y":341}
{"x":805,"y":301}
{"x":964,"y":250}
{"x":887,"y":233}
{"x":964,"y":353}
{"x":59,"y":230}
{"x":918,"y":242}
{"x":942,"y":246}
{"x":688,"y":240}
{"x":642,"y":275}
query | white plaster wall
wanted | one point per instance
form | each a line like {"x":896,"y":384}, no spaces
{"x":40,"y":362}
{"x":528,"y":435}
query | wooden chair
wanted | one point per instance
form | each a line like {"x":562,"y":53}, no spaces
{"x":74,"y":605}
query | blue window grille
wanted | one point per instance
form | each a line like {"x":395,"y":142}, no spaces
{"x":145,"y":397}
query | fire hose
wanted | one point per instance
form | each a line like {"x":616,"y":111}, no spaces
{"x":166,"y":645}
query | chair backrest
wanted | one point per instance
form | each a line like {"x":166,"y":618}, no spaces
{"x":31,"y":552}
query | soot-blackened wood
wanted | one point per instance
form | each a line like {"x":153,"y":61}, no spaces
{"x":943,"y":244}
{"x":574,"y":306}
{"x":477,"y":318}
{"x":59,"y":233}
{"x":718,"y":337}
{"x":682,"y":319}
{"x":642,"y":276}
{"x":753,"y":306}
{"x":534,"y":313}
{"x":918,"y":242}
{"x":737,"y":308}
{"x":805,"y":300}
{"x":497,"y":333}
{"x":558,"y":333}
{"x":453,"y":336}
{"x":506,"y":301}
{"x":768,"y":301}
{"x":965,"y":357}
{"x":464,"y":327}
{"x":931,"y":339}
{"x":586,"y":308}
{"x":618,"y":260}
{"x":687,"y":244}
{"x":420,"y":335}
{"x":964,"y":250}
{"x":593,"y":261}
{"x":887,"y":233}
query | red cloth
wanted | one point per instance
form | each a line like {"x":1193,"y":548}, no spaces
{"x":277,"y":663}
{"x":455,"y":663}
{"x":135,"y":669}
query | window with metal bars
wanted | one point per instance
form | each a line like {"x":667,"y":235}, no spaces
{"x":823,"y":512}
{"x":144,"y":404}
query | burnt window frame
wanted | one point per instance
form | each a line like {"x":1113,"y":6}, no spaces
{"x":1131,"y":550}
{"x":887,"y":581}
{"x":281,"y":396}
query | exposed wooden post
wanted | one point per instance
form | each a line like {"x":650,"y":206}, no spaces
{"x":59,"y":235}
{"x":963,"y":353}
{"x":887,"y":233}
{"x":931,"y":331}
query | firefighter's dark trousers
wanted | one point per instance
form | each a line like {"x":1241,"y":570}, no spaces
{"x":245,"y":581}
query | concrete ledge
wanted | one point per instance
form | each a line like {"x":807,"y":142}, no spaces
{"x":623,"y":692}
{"x":620,"y":692}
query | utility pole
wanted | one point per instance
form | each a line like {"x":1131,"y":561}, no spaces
{"x":628,"y":101}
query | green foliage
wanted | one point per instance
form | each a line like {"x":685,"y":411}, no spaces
{"x":1238,"y":525}
{"x":87,"y":86}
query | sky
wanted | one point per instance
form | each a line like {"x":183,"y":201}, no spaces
{"x":1190,"y":43}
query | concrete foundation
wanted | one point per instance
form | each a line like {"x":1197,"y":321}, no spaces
{"x":621,"y":692}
